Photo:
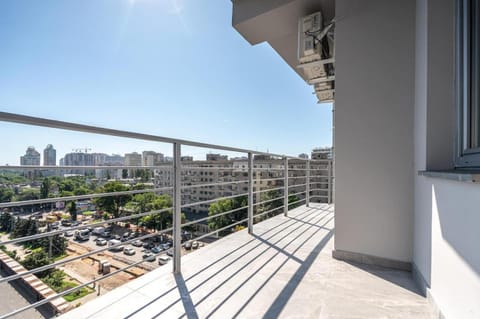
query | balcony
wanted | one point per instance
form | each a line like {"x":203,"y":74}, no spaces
{"x":272,"y":259}
{"x":284,"y":269}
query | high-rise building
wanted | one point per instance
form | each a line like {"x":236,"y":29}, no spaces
{"x":49,"y":156}
{"x":133,"y":159}
{"x":31,"y":157}
{"x":151,"y":158}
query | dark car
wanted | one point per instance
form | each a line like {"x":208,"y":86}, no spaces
{"x":148,"y":245}
{"x":149,"y":257}
{"x":66,"y":222}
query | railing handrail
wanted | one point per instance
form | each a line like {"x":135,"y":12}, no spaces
{"x":70,"y":126}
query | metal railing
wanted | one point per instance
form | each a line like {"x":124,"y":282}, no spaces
{"x":253,"y":193}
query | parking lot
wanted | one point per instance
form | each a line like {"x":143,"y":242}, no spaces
{"x":138,"y":251}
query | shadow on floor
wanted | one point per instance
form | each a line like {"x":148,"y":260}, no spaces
{"x":307,"y":225}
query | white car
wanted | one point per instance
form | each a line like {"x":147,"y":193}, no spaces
{"x":162,"y":260}
{"x":129,"y":251}
{"x":101,"y":242}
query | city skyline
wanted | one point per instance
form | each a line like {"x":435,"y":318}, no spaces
{"x":144,"y":156}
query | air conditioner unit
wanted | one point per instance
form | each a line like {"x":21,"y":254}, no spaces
{"x":308,"y":28}
{"x":316,"y":61}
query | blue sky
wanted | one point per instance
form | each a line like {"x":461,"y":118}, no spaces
{"x":170,"y":68}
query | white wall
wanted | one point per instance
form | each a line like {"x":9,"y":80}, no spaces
{"x":447,"y":215}
{"x":374,"y":103}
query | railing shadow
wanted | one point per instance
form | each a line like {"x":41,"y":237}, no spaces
{"x":311,"y":222}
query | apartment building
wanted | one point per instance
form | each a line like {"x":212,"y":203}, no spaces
{"x":31,"y":157}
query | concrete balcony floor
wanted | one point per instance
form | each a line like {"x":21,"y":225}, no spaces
{"x":285,"y":270}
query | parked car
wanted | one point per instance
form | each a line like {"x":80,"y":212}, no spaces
{"x":170,"y":252}
{"x":129,"y":251}
{"x":66,"y":222}
{"x":137,"y":243}
{"x":116,"y":237}
{"x":54,"y":225}
{"x":75,"y":224}
{"x":165,"y":246}
{"x":113,"y":242}
{"x":100,"y":242}
{"x":68,"y":233}
{"x":82,"y":235}
{"x":106,"y":234}
{"x":162,"y":260}
{"x":195,"y":245}
{"x":149,"y":257}
{"x":148,"y":245}
{"x":157,"y":249}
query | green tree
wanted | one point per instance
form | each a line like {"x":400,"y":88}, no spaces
{"x":25,"y":227}
{"x":72,"y":209}
{"x":6,"y":194}
{"x":146,"y":202}
{"x":55,"y":279}
{"x":112,"y":204}
{"x":59,"y":245}
{"x":225,"y":205}
{"x":7,"y":221}
{"x":37,"y":258}
{"x":45,"y":188}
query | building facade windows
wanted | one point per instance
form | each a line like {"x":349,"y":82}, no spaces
{"x":468,"y":83}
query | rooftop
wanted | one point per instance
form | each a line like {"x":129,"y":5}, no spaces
{"x":284,"y":270}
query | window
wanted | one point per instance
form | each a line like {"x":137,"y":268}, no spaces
{"x":468,"y":83}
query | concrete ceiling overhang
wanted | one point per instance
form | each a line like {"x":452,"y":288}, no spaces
{"x":276,"y":22}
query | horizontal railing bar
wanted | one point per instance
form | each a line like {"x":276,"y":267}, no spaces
{"x":66,"y":261}
{"x":80,"y":197}
{"x":66,"y":292}
{"x":212,"y":184}
{"x":43,"y":122}
{"x":320,"y":189}
{"x":217,"y":230}
{"x":58,"y":232}
{"x":295,"y":194}
{"x":269,"y":179}
{"x":212,"y":200}
{"x":197,"y":168}
{"x":320,"y":183}
{"x":267,"y":169}
{"x":68,"y":167}
{"x":269,"y":189}
{"x":196,"y":221}
{"x":268,"y":211}
{"x":297,"y":185}
{"x":321,"y":196}
{"x":297,"y":177}
{"x":268,"y":201}
{"x":301,"y":200}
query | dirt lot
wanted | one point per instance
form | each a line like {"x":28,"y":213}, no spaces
{"x":86,"y":269}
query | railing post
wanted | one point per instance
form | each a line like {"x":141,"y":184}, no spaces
{"x":250,"y":193}
{"x":307,"y":174}
{"x":177,"y":214}
{"x":285,"y":186}
{"x":329,"y":184}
